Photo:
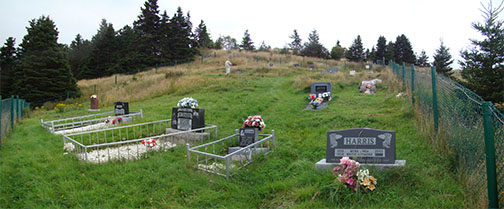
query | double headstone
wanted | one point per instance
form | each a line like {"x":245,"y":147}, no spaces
{"x":187,"y":118}
{"x":365,"y":145}
{"x":121,"y":108}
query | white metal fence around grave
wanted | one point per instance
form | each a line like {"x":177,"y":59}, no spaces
{"x":131,"y":142}
{"x":87,"y":122}
{"x":223,"y":157}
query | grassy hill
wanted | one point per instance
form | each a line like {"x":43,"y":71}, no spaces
{"x":34,"y":172}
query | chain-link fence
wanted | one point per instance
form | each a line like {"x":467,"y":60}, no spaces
{"x":472,"y":129}
{"x":11,"y":110}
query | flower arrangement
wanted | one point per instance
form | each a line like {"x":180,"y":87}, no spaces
{"x":113,"y":121}
{"x":317,"y":102}
{"x":69,"y":147}
{"x":150,"y":143}
{"x":188,"y":102}
{"x":349,"y":173}
{"x":254,"y":121}
{"x":94,"y":96}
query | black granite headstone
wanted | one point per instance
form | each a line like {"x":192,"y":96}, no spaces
{"x":362,"y":144}
{"x":187,"y":118}
{"x":248,"y":135}
{"x":121,"y":108}
{"x":296,"y":65}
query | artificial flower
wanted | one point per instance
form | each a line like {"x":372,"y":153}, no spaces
{"x":255,"y":121}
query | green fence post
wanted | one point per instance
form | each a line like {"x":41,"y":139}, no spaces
{"x":12,"y":112}
{"x":175,"y":62}
{"x":214,"y":54}
{"x":383,"y":61}
{"x":493,"y":200}
{"x":413,"y":84}
{"x":371,"y":66}
{"x":344,"y":65}
{"x":116,"y":76}
{"x":157,"y":66}
{"x":1,"y":110}
{"x":434,"y":100}
{"x":403,"y":66}
{"x":94,"y":89}
{"x":302,"y":63}
{"x":17,"y":107}
{"x":201,"y":59}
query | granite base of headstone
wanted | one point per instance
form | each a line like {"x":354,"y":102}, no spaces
{"x":186,"y":138}
{"x":245,"y":154}
{"x":369,"y":147}
{"x":322,"y":164}
{"x":93,"y":110}
{"x":331,"y":70}
{"x":321,"y":107}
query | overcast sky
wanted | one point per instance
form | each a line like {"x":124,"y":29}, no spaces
{"x":424,"y":22}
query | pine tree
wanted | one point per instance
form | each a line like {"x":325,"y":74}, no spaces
{"x":247,"y":43}
{"x":7,"y":67}
{"x":227,"y":42}
{"x":44,"y":73}
{"x":181,"y":42}
{"x":264,"y":47}
{"x":202,"y":36}
{"x":337,"y":52}
{"x":423,"y":60}
{"x":128,"y":59}
{"x":389,"y":53}
{"x":313,"y":48}
{"x":147,"y":27}
{"x":381,"y":49}
{"x":78,"y":52}
{"x":103,"y":56}
{"x":356,"y":52}
{"x":483,"y":65}
{"x":296,"y":44}
{"x":403,"y":51}
{"x":443,"y":60}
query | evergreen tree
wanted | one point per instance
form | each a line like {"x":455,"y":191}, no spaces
{"x":389,"y":53}
{"x":218,"y":43}
{"x":182,"y":44}
{"x":227,"y":42}
{"x":147,"y":27}
{"x":202,"y":36}
{"x":381,"y":49}
{"x":483,"y":65}
{"x":44,"y":73}
{"x":264,"y":47}
{"x":103,"y":55}
{"x":356,"y":52}
{"x":7,"y":67}
{"x":313,"y":48}
{"x":129,"y":60}
{"x":78,"y":52}
{"x":403,"y":51}
{"x":166,"y":38}
{"x":296,"y":44}
{"x":443,"y":60}
{"x":337,"y":52}
{"x":247,"y":43}
{"x":422,"y":60}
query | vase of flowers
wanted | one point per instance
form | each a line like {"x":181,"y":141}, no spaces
{"x":349,"y":173}
{"x":249,"y":132}
{"x":94,"y":102}
{"x":186,"y":116}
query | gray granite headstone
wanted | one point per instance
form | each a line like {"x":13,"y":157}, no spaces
{"x":187,"y":118}
{"x":332,"y":70}
{"x":248,"y":135}
{"x":362,"y":144}
{"x":321,"y":87}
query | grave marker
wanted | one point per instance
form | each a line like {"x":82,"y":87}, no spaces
{"x":332,"y":70}
{"x":248,"y":135}
{"x":187,"y":118}
{"x":121,"y":108}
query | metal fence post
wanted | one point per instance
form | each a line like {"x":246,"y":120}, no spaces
{"x":383,"y":61}
{"x":412,"y":84}
{"x":201,"y":59}
{"x":94,"y":89}
{"x":188,"y":152}
{"x":493,"y":200}
{"x":157,"y":67}
{"x":434,"y":100}
{"x":116,"y":77}
{"x":403,"y":66}
{"x":12,"y":112}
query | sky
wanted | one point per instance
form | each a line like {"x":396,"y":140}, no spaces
{"x":424,"y":22}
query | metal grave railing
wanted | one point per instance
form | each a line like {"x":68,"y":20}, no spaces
{"x":86,"y":122}
{"x":131,"y":142}
{"x":223,"y":157}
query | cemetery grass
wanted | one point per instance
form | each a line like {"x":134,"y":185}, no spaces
{"x":34,"y":172}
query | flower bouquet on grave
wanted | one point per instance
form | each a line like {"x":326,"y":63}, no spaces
{"x":149,"y":143}
{"x":187,"y":102}
{"x":349,"y":173}
{"x":254,"y":121}
{"x":94,"y":96}
{"x":316,"y":102}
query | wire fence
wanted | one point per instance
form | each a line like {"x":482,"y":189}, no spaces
{"x":11,"y":110}
{"x":472,"y":128}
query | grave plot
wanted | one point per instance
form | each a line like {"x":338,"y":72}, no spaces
{"x":89,"y":122}
{"x":321,"y":94}
{"x":224,"y":156}
{"x":131,"y":142}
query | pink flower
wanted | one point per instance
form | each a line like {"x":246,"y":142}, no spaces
{"x":337,"y":169}
{"x":345,"y":161}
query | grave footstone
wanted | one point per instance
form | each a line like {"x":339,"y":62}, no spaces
{"x":370,"y":147}
{"x":332,"y":70}
{"x":187,"y":118}
{"x":312,"y":67}
{"x":296,"y":65}
{"x":352,"y":72}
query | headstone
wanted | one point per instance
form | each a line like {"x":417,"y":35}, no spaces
{"x":332,"y":70}
{"x":312,"y":67}
{"x":367,"y":67}
{"x":352,"y":72}
{"x":187,"y":118}
{"x":121,"y":108}
{"x":248,"y":135}
{"x":362,"y":144}
{"x":321,"y":87}
{"x":271,"y":64}
{"x":238,"y":72}
{"x":296,"y":65}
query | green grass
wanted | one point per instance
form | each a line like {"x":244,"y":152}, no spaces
{"x":34,"y":173}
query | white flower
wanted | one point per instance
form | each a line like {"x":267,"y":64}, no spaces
{"x":68,"y":147}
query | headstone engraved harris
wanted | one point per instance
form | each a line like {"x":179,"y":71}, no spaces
{"x":363,"y":144}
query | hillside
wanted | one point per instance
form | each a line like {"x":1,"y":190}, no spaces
{"x":34,"y":172}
